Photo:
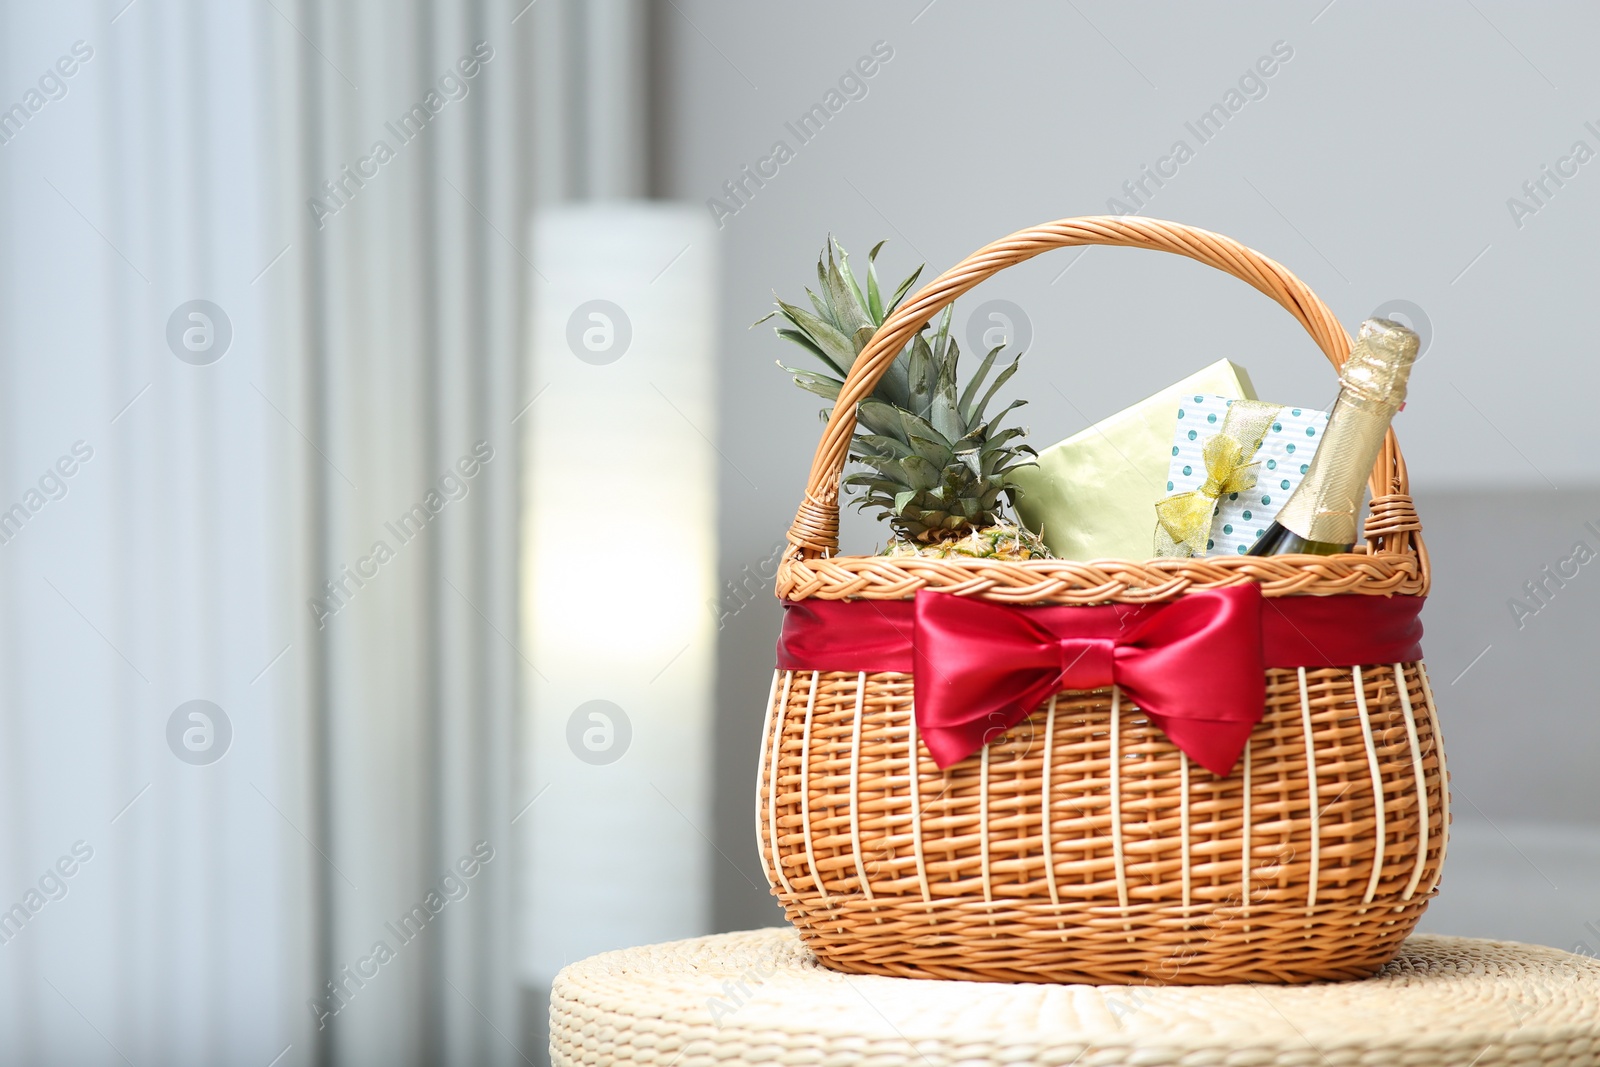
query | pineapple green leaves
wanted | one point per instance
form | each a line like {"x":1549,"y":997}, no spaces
{"x":937,"y":467}
{"x":844,"y":321}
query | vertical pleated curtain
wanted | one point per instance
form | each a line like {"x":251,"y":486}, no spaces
{"x":405,"y":322}
{"x":315,"y":532}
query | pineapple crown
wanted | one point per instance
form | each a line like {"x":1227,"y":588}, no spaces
{"x":937,"y":468}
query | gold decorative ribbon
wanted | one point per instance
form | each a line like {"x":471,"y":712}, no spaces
{"x":1183,"y":520}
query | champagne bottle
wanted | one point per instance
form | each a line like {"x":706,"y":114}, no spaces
{"x":1319,"y":518}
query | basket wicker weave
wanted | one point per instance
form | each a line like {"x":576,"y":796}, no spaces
{"x":1084,"y":846}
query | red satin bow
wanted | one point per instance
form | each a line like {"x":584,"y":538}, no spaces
{"x":1194,"y":666}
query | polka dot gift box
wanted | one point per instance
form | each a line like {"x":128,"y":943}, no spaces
{"x":1285,"y":454}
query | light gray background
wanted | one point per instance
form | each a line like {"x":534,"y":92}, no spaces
{"x":374,"y":352}
{"x":1378,"y":167}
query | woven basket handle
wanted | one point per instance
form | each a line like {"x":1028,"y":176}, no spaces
{"x":1391,"y":524}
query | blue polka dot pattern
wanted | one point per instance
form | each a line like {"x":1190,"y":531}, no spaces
{"x":1246,"y":515}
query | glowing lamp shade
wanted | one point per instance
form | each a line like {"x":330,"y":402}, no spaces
{"x":620,"y":547}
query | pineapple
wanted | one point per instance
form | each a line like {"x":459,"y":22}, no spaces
{"x":992,"y":542}
{"x":936,"y":468}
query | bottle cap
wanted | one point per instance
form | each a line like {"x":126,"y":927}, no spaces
{"x":1380,"y":362}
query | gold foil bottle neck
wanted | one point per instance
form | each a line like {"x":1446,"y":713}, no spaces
{"x":1325,"y":505}
{"x":1380,"y":363}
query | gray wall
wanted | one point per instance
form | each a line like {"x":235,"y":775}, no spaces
{"x":1378,"y":165}
{"x":1518,"y":704}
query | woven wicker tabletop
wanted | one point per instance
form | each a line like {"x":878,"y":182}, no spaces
{"x":760,"y":997}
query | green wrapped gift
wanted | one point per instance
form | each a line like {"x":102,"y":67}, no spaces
{"x":1093,"y":496}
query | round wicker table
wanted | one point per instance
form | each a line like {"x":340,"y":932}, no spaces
{"x":760,"y":997}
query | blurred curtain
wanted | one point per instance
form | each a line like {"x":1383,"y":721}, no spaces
{"x":403,"y":320}
{"x":299,"y":507}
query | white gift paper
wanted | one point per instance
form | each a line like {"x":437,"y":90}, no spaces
{"x":1281,"y":461}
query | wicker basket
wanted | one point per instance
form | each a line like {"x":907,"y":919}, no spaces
{"x":1084,"y":846}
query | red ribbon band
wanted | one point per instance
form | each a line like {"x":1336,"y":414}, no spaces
{"x":1195,"y":666}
